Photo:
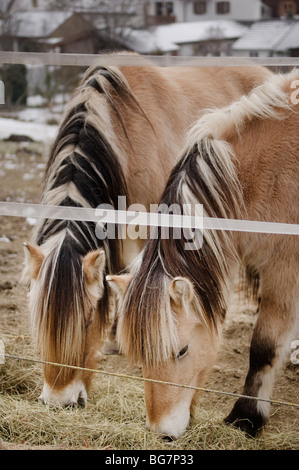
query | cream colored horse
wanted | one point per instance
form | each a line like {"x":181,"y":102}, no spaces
{"x":121,"y":135}
{"x":241,"y":162}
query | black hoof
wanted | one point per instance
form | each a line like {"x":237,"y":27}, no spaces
{"x":245,"y":416}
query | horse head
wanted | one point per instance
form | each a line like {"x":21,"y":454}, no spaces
{"x":65,"y":319}
{"x":196,"y":341}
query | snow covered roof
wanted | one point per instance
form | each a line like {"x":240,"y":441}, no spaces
{"x":268,"y":35}
{"x":290,"y":40}
{"x":146,"y":42}
{"x":41,"y":23}
{"x":167,"y":38}
{"x":107,"y":6}
{"x":116,"y":6}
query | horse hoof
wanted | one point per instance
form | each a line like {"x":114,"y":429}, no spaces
{"x":243,"y":424}
{"x":244,"y":416}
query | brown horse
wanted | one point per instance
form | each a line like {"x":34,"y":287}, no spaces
{"x":121,"y":134}
{"x":241,"y":162}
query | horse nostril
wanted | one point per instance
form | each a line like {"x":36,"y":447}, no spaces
{"x":71,"y":404}
{"x":41,"y":400}
{"x":168,"y":438}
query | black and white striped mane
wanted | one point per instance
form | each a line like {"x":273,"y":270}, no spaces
{"x":84,"y":170}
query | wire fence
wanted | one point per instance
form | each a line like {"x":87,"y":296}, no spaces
{"x":143,"y":379}
{"x":146,"y":219}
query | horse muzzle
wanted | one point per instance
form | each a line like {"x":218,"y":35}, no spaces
{"x":73,"y":395}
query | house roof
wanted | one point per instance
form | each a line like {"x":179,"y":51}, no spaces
{"x":291,"y":39}
{"x":40,"y":24}
{"x":106,"y":6}
{"x":268,"y":35}
{"x":37,"y":24}
{"x":145,"y":42}
{"x":167,"y":38}
{"x":115,"y":7}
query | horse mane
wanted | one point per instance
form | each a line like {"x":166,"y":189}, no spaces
{"x":264,"y":102}
{"x":84,"y":170}
{"x":206,"y":174}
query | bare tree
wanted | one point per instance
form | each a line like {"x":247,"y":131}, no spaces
{"x":215,"y":45}
{"x":120,"y":16}
{"x":61,"y":5}
{"x":117,"y":17}
{"x":9,"y":25}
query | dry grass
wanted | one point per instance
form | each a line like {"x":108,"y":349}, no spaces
{"x":115,"y":414}
{"x":114,"y":417}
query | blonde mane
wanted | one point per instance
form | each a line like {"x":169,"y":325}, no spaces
{"x":59,"y":302}
{"x":263,"y":102}
{"x":206,"y":174}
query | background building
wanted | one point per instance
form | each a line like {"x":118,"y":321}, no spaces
{"x":192,"y":11}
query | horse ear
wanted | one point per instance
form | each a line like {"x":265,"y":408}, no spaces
{"x":181,"y":290}
{"x":93,"y":266}
{"x":33,"y":261}
{"x":119,"y":284}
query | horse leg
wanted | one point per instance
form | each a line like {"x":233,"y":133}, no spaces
{"x":271,"y":339}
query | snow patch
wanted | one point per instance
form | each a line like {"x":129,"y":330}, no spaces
{"x":35,"y":130}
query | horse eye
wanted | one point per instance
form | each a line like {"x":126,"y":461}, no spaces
{"x":183,"y":352}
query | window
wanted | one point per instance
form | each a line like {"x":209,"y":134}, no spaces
{"x":164,"y":8}
{"x":289,"y":8}
{"x":199,"y":8}
{"x":222,"y":8}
